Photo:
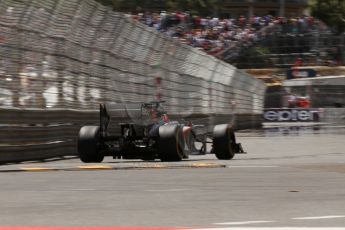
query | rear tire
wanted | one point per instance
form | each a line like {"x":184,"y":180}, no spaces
{"x":224,"y":143}
{"x":88,"y":145}
{"x":171,"y":143}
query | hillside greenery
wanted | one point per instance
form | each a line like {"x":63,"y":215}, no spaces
{"x":332,"y":12}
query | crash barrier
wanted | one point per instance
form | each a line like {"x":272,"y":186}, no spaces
{"x":333,"y":116}
{"x":322,"y":115}
{"x":72,"y":55}
{"x":39,"y":134}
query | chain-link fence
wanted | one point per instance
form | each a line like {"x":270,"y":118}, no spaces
{"x":281,"y":50}
{"x":63,"y":55}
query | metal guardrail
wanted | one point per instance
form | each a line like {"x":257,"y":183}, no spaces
{"x":38,"y":134}
{"x":72,"y":55}
{"x":334,"y":116}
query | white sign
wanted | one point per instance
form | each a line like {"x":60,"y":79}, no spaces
{"x":290,"y":115}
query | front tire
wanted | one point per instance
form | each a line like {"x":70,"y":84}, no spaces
{"x":171,"y":143}
{"x":224,"y":142}
{"x":88,"y":145}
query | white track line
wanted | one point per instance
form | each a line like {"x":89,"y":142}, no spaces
{"x":245,"y":222}
{"x":317,"y":217}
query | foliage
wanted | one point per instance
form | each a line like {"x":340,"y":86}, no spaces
{"x":332,"y":12}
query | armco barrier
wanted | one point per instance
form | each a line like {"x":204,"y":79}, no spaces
{"x":333,"y":116}
{"x":39,"y":134}
{"x":59,"y":58}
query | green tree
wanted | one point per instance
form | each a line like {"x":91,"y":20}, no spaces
{"x":332,"y":12}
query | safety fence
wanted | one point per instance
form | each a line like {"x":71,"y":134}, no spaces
{"x":281,"y":50}
{"x":59,"y":59}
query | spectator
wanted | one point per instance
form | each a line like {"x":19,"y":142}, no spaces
{"x":291,"y":100}
{"x":217,"y":36}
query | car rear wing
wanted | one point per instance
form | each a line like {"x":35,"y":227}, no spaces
{"x":135,"y":113}
{"x":131,"y":111}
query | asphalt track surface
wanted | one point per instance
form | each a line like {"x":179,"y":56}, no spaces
{"x":291,"y":177}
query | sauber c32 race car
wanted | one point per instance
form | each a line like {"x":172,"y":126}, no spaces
{"x":151,"y":135}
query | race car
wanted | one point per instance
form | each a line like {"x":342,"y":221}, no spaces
{"x":149,"y":134}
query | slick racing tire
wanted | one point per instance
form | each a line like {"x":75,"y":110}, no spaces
{"x":171,"y":143}
{"x":88,"y":145}
{"x":224,"y":143}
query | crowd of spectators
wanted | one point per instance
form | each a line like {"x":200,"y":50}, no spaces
{"x":218,"y":35}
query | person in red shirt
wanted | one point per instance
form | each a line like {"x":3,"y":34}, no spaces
{"x":298,"y":63}
{"x":303,"y":102}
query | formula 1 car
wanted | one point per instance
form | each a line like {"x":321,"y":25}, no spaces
{"x":150,"y":135}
